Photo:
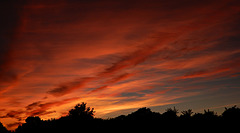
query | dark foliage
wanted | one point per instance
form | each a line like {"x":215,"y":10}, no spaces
{"x":81,"y":119}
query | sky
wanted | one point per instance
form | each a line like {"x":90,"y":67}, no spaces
{"x":117,"y":56}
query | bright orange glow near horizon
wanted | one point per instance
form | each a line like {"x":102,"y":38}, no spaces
{"x":117,"y":56}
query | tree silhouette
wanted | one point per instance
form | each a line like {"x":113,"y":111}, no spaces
{"x":81,"y":119}
{"x":33,"y":124}
{"x":206,"y":116}
{"x":197,"y":116}
{"x":170,"y":114}
{"x":186,"y":114}
{"x":82,"y":112}
{"x":143,"y":114}
{"x":210,"y":115}
{"x":33,"y":120}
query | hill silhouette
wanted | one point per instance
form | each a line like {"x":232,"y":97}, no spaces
{"x":81,"y":119}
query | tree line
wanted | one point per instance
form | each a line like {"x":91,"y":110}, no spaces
{"x":81,"y":119}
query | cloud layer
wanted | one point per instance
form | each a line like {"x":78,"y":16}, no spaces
{"x":116,"y":55}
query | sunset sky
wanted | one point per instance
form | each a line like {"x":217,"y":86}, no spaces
{"x":117,"y":56}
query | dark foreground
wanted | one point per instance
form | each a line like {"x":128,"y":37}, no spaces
{"x":80,"y":119}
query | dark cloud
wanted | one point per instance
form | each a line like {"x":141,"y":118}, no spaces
{"x":126,"y":62}
{"x":131,"y":94}
{"x":10,"y":13}
{"x":39,"y":108}
{"x":2,"y":110}
{"x":15,"y":124}
{"x":14,"y":114}
{"x":68,"y":87}
{"x":134,"y":58}
{"x":119,"y":78}
{"x":33,"y":105}
{"x":97,"y":61}
{"x":98,"y":89}
{"x":40,"y":112}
